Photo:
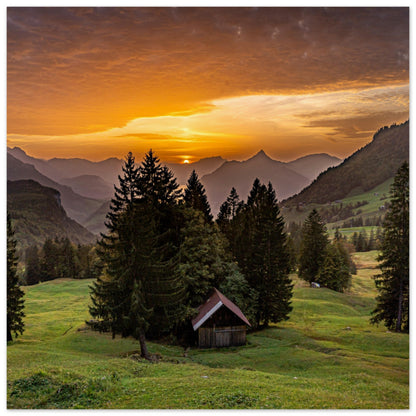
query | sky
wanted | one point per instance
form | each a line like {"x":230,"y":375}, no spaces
{"x":198,"y":82}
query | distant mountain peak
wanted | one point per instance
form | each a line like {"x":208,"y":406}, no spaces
{"x":260,"y":155}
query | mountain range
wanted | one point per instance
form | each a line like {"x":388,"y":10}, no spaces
{"x":86,"y":187}
{"x":286,"y":178}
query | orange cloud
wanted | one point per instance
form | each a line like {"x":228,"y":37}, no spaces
{"x":83,"y":70}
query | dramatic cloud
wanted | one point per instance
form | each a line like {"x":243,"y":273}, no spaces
{"x":75,"y":71}
{"x":337,"y":123}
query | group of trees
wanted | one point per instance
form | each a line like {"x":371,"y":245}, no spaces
{"x":258,"y":242}
{"x":321,"y":261}
{"x":163,"y":254}
{"x":60,"y":258}
{"x":341,"y":211}
{"x":363,"y":241}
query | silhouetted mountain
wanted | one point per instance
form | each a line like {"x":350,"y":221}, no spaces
{"x":37,"y":214}
{"x":58,"y":169}
{"x":368,"y":167}
{"x":202,"y":167}
{"x":311,"y":166}
{"x":77,"y":207}
{"x":241,"y":176}
{"x":91,"y":186}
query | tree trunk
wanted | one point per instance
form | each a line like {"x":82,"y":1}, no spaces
{"x":9,"y":334}
{"x":399,"y":311}
{"x":143,"y":347}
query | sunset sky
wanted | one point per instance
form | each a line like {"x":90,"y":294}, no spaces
{"x":197,"y":82}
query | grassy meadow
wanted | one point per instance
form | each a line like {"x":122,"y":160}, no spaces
{"x":326,"y":356}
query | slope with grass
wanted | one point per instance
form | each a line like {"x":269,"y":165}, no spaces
{"x":374,"y":201}
{"x":365,"y":169}
{"x":326,"y":356}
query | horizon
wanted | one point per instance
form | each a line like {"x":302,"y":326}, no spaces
{"x":192,"y":83}
{"x":180,"y":163}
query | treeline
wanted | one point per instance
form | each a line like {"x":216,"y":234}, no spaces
{"x":341,"y":211}
{"x":363,"y":241}
{"x":59,"y":258}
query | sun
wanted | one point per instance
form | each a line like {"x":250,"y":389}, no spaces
{"x":186,"y":161}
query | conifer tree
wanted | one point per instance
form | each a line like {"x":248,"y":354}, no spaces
{"x":313,"y":247}
{"x":111,"y":292}
{"x":32,"y":272}
{"x":139,"y":289}
{"x":48,"y":261}
{"x":15,"y":301}
{"x":227,"y":218}
{"x":393,"y":282}
{"x":334,"y":272}
{"x":195,"y":196}
{"x":204,"y":262}
{"x":262,"y":254}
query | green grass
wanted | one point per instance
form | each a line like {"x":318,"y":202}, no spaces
{"x":326,"y":356}
{"x":376,"y":197}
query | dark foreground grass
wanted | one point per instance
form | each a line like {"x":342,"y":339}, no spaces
{"x":326,"y":356}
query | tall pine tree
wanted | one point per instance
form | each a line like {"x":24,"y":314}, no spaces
{"x":139,"y":290}
{"x":15,"y":301}
{"x":393,"y":281}
{"x":195,"y":196}
{"x":313,"y":247}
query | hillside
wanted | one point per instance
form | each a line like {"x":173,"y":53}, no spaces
{"x":76,"y":206}
{"x":90,"y":186}
{"x":367,"y":168}
{"x":326,"y":356}
{"x":241,"y":176}
{"x":37,"y":214}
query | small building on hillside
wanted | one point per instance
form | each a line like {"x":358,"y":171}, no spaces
{"x":220,"y":323}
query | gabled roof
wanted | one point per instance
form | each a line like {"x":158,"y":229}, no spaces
{"x":214,"y":302}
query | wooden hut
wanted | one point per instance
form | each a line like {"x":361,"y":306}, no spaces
{"x":220,"y":323}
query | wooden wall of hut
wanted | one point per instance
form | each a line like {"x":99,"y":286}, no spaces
{"x":223,"y":336}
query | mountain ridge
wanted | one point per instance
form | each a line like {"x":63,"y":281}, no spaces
{"x":366,"y":168}
{"x":37,"y":214}
{"x":76,"y":206}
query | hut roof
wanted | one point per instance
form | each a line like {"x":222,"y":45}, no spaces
{"x":214,"y":302}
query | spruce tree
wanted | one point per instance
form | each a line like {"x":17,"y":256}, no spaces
{"x":139,"y":290}
{"x":262,"y":254}
{"x":393,"y":282}
{"x":32,"y":271}
{"x":334,"y":272}
{"x":15,"y":301}
{"x":227,"y":218}
{"x":49,"y":261}
{"x":204,"y":261}
{"x":111,"y":292}
{"x":313,"y":247}
{"x":195,"y":196}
